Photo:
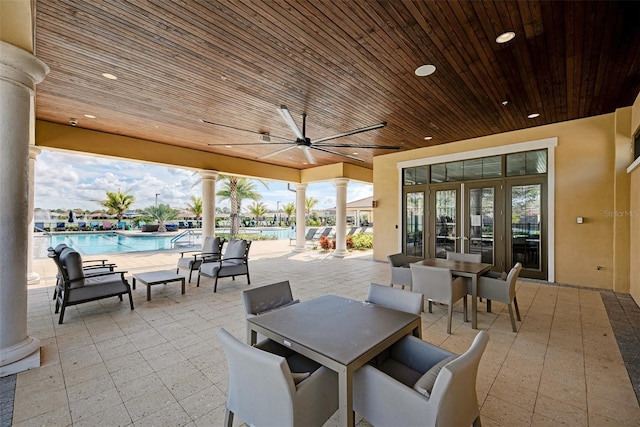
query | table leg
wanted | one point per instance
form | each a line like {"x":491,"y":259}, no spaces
{"x":134,"y":282}
{"x":345,"y":398}
{"x":148,"y":292}
{"x":183,"y":285}
{"x":474,"y":301}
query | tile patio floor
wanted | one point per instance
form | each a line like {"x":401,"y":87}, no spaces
{"x":161,"y":364}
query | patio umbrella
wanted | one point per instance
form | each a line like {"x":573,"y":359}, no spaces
{"x":70,"y":216}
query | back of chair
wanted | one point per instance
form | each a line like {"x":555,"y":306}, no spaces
{"x":433,"y":282}
{"x":72,"y":271}
{"x":265,"y":298}
{"x":398,"y":260}
{"x":454,"y":392}
{"x":212,"y":245}
{"x":512,"y":277}
{"x":261,"y":387}
{"x":396,"y":299}
{"x":236,"y":251}
{"x":464,"y":257}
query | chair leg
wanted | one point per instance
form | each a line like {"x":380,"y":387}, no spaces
{"x":190,"y":273}
{"x":61,"y":315}
{"x":198,"y":284}
{"x":120,"y":297}
{"x":215,"y":285}
{"x":177,"y":270}
{"x":464,"y":307}
{"x":515,"y":304}
{"x":488,"y":306}
{"x":429,"y":301}
{"x":130,"y":299}
{"x":248,"y":279}
{"x":513,"y":321}
{"x":477,"y":422}
{"x":228,"y":418}
{"x":449,"y":317}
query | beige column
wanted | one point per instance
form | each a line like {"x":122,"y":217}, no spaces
{"x":341,"y":216}
{"x":20,"y":71}
{"x":33,"y":278}
{"x":301,"y":197}
{"x":208,"y":178}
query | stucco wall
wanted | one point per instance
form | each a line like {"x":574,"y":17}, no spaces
{"x":634,"y":209}
{"x":584,"y":187}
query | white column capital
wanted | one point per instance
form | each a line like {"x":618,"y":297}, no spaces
{"x":301,"y":186}
{"x":208,"y":174}
{"x":34,"y":152}
{"x":21,"y":67}
{"x":340,"y":182}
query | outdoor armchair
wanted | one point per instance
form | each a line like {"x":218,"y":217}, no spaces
{"x":400,"y":273}
{"x":77,"y":288}
{"x":415,"y":383}
{"x":501,"y":290}
{"x":438,"y":285}
{"x":264,"y":299}
{"x":211,"y":251}
{"x":234,"y":262}
{"x":270,"y":385}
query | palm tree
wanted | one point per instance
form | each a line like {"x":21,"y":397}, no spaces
{"x":162,"y":213}
{"x":258,"y":209}
{"x":310,"y":202}
{"x":196,"y":207}
{"x":117,"y":203}
{"x":289,"y":209}
{"x":236,"y":190}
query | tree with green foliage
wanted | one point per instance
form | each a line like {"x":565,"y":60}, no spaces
{"x":257,"y":209}
{"x":237,"y":189}
{"x":310,"y":203}
{"x":195,"y":207}
{"x":118,"y":202}
{"x":162,"y":213}
{"x":289,"y":209}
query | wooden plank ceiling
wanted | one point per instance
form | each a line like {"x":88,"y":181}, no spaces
{"x":346,"y":64}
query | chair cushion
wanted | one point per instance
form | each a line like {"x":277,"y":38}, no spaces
{"x":235,"y":249}
{"x":425,"y":384}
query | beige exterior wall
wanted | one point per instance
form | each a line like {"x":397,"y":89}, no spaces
{"x":634,"y":209}
{"x":584,"y":186}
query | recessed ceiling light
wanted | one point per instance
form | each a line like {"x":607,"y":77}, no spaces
{"x":505,"y":102}
{"x":109,"y":76}
{"x":425,"y":70}
{"x":533,"y":115}
{"x":355,"y":154}
{"x":90,"y":116}
{"x":505,"y":37}
{"x":427,"y":138}
{"x":227,"y":146}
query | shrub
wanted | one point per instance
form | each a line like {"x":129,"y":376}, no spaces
{"x":362,"y":241}
{"x":349,"y":242}
{"x":325,"y":243}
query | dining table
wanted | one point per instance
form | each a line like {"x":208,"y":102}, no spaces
{"x":340,"y":333}
{"x":472,"y":270}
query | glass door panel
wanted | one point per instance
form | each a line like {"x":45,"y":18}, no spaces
{"x":414,"y":224}
{"x":526,"y":221}
{"x":445,"y":216}
{"x":481,"y":225}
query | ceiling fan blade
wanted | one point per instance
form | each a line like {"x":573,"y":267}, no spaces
{"x":243,"y":130}
{"x":286,"y":115}
{"x":353,"y":132}
{"x":233,"y":144}
{"x":371,"y":147}
{"x":275,"y":153}
{"x":309,"y":156}
{"x":315,"y":147}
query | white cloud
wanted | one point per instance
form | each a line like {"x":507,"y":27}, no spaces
{"x":70,"y":181}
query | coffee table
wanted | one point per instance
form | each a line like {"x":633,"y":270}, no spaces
{"x":162,"y":277}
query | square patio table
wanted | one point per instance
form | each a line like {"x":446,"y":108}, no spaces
{"x":339,"y":333}
{"x":473,"y":270}
{"x":161,"y":277}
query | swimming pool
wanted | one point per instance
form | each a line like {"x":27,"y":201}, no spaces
{"x":106,"y":243}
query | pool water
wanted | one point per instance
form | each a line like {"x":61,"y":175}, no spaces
{"x":106,"y":243}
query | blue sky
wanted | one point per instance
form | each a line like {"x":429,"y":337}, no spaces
{"x":69,"y":181}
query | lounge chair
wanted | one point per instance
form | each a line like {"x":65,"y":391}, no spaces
{"x":60,"y":226}
{"x":326,"y":232}
{"x":310,"y":233}
{"x":107,"y":226}
{"x":82,"y":226}
{"x":211,"y":251}
{"x":94,"y":225}
{"x":234,"y":262}
{"x":39,"y":226}
{"x":352,"y":231}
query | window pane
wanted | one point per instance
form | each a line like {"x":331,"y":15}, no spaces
{"x":525,"y":225}
{"x":536,"y":162}
{"x":414,"y":225}
{"x":516,"y":164}
{"x":454,"y":171}
{"x":410,"y":176}
{"x":446,"y":231}
{"x":438,"y":173}
{"x":421,"y":175}
{"x":492,"y":167}
{"x":473,"y":169}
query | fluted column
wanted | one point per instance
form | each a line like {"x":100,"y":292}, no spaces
{"x":341,"y":216}
{"x":33,"y":278}
{"x":208,"y":178}
{"x":301,"y":206}
{"x":20,"y":71}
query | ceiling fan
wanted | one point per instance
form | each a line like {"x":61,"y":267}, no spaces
{"x":304,"y":143}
